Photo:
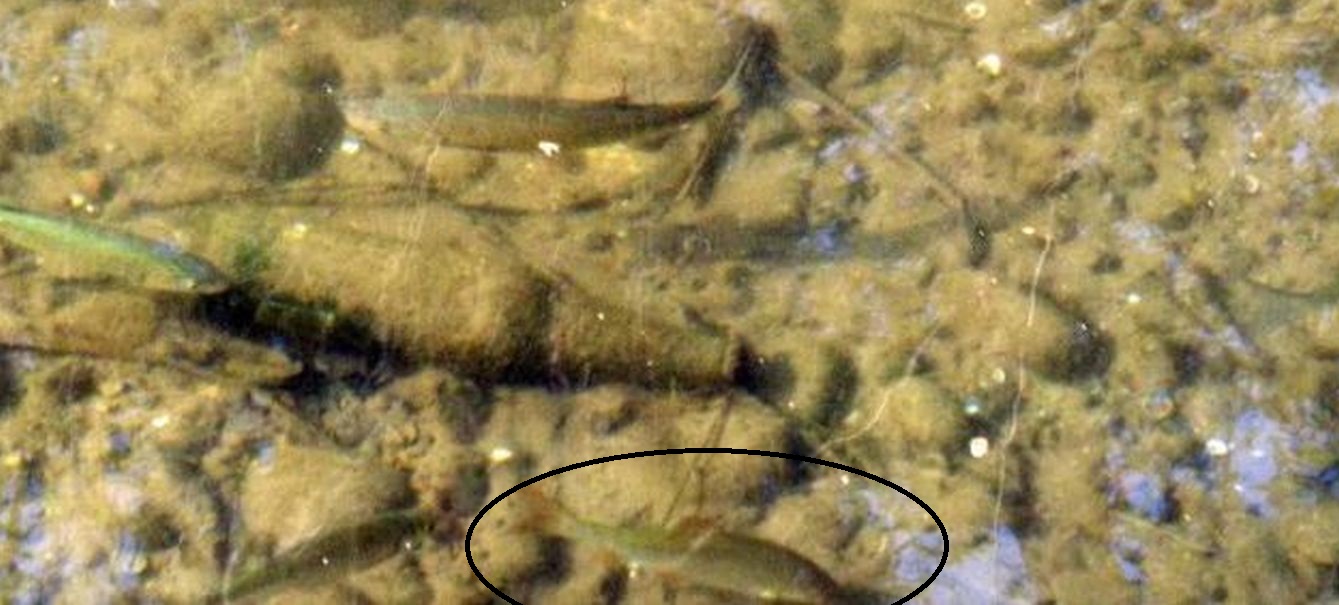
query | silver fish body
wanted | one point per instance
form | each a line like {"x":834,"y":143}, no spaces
{"x":88,"y":250}
{"x":502,"y":123}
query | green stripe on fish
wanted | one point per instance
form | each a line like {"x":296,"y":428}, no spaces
{"x":74,"y":248}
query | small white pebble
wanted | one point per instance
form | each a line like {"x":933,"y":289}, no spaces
{"x":978,"y":447}
{"x":500,"y":455}
{"x":297,"y":230}
{"x":1028,"y":230}
{"x":350,"y":145}
{"x":12,"y":460}
{"x":975,"y":11}
{"x":112,"y":388}
{"x":1215,"y":447}
{"x":991,"y":63}
{"x":550,"y":148}
{"x":1252,"y":184}
{"x":160,"y":421}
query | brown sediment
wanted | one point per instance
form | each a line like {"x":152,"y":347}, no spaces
{"x":428,"y":280}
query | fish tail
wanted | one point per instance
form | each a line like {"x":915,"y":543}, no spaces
{"x":744,"y":86}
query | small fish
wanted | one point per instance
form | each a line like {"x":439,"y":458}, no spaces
{"x":503,"y":123}
{"x":330,"y":555}
{"x":85,"y":249}
{"x":701,"y":557}
{"x":520,"y":123}
{"x":977,"y":231}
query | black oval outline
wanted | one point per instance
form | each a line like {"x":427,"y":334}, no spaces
{"x":469,"y":533}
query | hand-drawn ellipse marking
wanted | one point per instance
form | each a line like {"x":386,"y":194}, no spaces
{"x":943,"y":531}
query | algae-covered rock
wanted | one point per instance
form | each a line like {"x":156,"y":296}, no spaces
{"x":1068,"y":478}
{"x":452,"y":291}
{"x":29,"y":135}
{"x":812,"y":381}
{"x":302,"y":490}
{"x":909,"y":415}
{"x":655,"y":51}
{"x":764,"y":189}
{"x":358,"y":17}
{"x":105,"y":491}
{"x":425,"y":425}
{"x":1308,"y":532}
{"x":128,"y":325}
{"x":276,"y":120}
{"x":1004,"y":325}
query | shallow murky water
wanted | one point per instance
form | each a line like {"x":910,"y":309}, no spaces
{"x":290,"y":291}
